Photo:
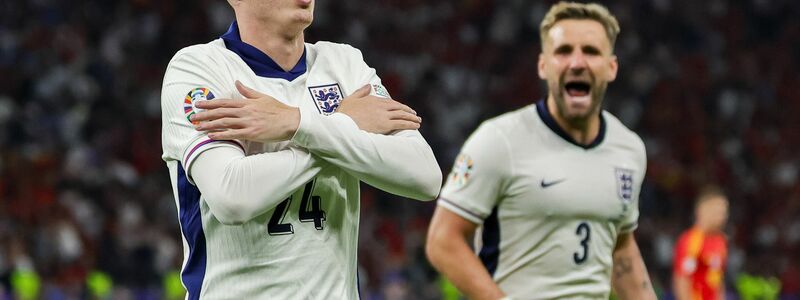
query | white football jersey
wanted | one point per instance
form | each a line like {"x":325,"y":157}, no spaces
{"x":550,"y":209}
{"x":305,"y":247}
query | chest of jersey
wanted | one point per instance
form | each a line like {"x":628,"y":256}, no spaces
{"x":329,"y":201}
{"x":320,"y":89}
{"x":321,"y":92}
{"x":596,"y":184}
{"x":713,"y":253}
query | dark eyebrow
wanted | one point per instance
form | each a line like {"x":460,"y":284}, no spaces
{"x":563,"y":49}
{"x":590,"y":49}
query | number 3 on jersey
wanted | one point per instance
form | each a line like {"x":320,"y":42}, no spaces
{"x":306,"y":214}
{"x":585,"y":232}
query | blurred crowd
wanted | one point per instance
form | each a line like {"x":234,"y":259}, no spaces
{"x":708,"y":85}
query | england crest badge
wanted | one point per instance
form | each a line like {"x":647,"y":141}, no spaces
{"x":327,"y":97}
{"x":624,"y":184}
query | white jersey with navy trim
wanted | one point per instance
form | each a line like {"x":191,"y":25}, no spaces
{"x":305,"y":247}
{"x":550,"y":209}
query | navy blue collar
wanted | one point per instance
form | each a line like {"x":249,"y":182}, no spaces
{"x":548,"y":120}
{"x":258,"y":61}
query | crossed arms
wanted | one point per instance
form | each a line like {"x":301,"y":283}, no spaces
{"x":373,"y":139}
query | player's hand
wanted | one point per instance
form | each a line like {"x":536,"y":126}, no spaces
{"x":257,"y":118}
{"x":378,"y":115}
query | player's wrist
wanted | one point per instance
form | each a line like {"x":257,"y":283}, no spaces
{"x":293,"y":122}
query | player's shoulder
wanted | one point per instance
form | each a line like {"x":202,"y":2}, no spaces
{"x":341,"y":50}
{"x":509,"y":122}
{"x":203,"y":53}
{"x":619,"y":130}
{"x":619,"y":133}
{"x":498,"y":133}
{"x":690,"y":235}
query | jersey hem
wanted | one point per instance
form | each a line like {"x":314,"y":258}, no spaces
{"x":463,"y":212}
{"x":629,"y":228}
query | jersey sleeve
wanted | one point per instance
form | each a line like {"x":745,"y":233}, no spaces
{"x":237,"y":187}
{"x":401,"y":163}
{"x":190,"y":77}
{"x":630,"y":220}
{"x":479,"y":175}
{"x":367,"y":75}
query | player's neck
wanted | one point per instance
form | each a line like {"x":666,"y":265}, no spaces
{"x":284,"y":47}
{"x":582,"y":131}
{"x":707,"y":228}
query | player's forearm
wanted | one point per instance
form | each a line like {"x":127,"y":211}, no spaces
{"x":238,"y":188}
{"x":401,"y":164}
{"x":452,"y":257}
{"x":630,"y":279}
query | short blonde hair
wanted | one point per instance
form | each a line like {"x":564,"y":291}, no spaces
{"x":709,"y":192}
{"x":580,"y":11}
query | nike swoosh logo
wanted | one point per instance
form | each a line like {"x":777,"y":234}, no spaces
{"x":546,"y":184}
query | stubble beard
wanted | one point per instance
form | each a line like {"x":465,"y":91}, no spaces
{"x":577,"y":119}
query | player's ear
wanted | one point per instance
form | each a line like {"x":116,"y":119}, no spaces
{"x":540,"y":67}
{"x":613,"y":67}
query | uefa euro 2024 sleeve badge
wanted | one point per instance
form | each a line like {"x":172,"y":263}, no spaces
{"x":461,"y":170}
{"x":326,"y":97}
{"x":191,"y":99}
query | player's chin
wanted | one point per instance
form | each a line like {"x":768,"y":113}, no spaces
{"x":577,"y":115}
{"x":577,"y":109}
{"x":578,"y":104}
{"x":304,"y":17}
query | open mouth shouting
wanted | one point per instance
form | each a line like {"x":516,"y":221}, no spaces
{"x":578,"y":93}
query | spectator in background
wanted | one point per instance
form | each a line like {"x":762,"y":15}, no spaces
{"x":701,"y":252}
